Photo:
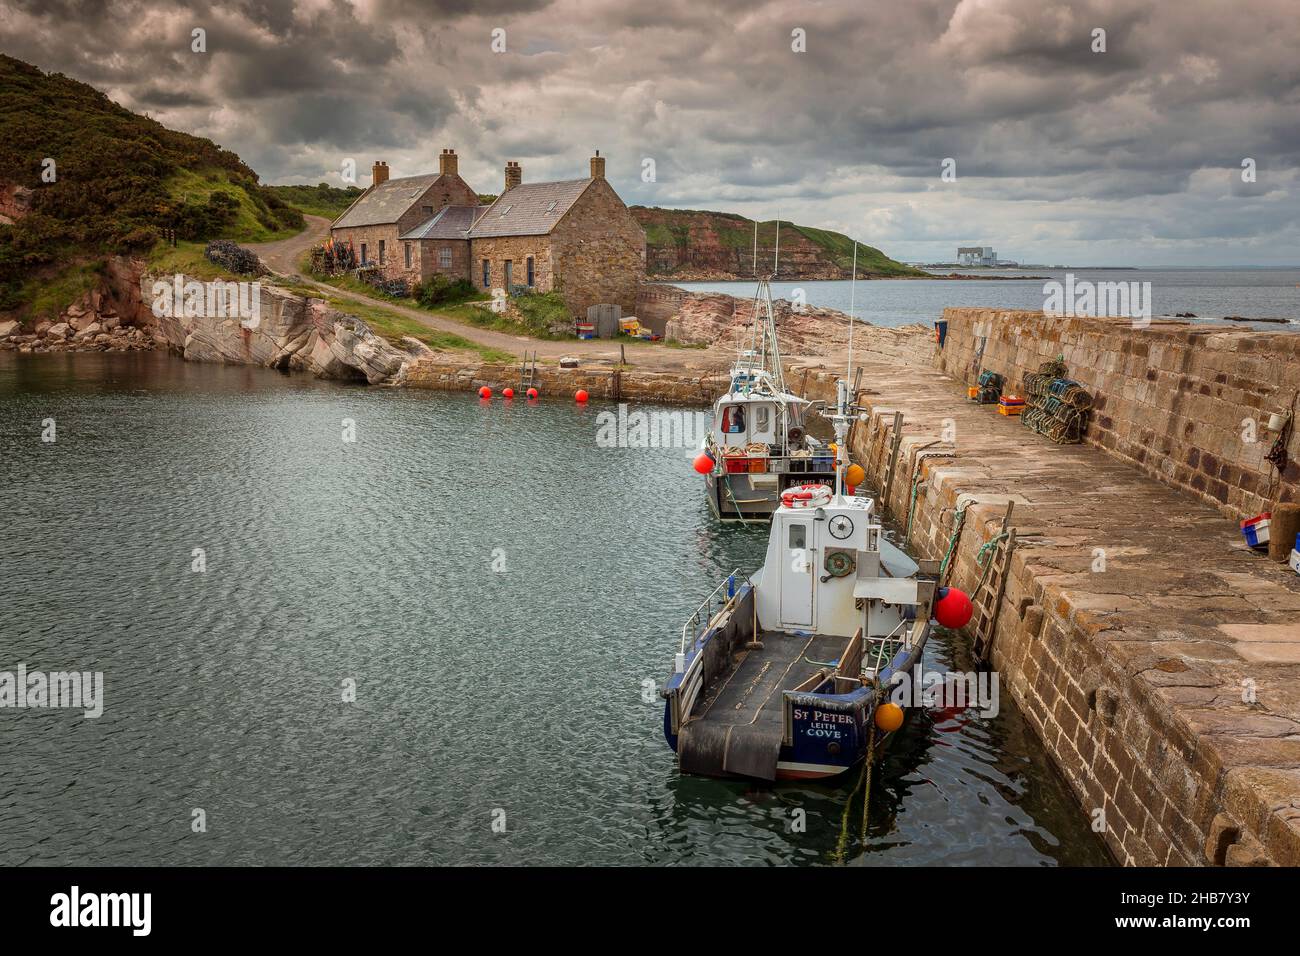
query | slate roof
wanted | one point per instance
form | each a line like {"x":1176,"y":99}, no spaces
{"x":449,"y":222}
{"x":530,"y":209}
{"x":386,"y":202}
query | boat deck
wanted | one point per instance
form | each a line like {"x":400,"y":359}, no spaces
{"x":737,"y":727}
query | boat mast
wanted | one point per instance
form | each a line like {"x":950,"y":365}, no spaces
{"x":764,"y":349}
{"x":841,"y":419}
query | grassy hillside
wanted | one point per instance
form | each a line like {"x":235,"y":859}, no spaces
{"x":119,"y":180}
{"x":319,"y":200}
{"x":694,"y":242}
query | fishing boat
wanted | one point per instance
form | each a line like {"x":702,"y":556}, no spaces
{"x":797,"y":670}
{"x":758,"y":445}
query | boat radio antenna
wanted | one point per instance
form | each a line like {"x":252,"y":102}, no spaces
{"x":853,"y":304}
{"x":755,"y":248}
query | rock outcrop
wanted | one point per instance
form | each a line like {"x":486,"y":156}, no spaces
{"x":291,"y":332}
{"x":15,"y":203}
{"x":716,"y":319}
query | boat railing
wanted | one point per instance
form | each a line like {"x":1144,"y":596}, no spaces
{"x":772,"y":464}
{"x":709,"y":608}
{"x":884,"y":647}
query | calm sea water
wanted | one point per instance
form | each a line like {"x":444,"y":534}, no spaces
{"x":497,"y":588}
{"x":1207,"y":293}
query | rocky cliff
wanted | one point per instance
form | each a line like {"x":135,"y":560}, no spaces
{"x":689,"y":244}
{"x":292,"y":332}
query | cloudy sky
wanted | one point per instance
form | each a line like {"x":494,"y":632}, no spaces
{"x":1131,"y":156}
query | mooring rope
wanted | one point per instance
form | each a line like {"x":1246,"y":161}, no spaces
{"x":864,"y":777}
{"x":866,"y":795}
{"x":984,"y":556}
{"x":959,"y":521}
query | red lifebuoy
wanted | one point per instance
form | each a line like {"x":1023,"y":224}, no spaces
{"x":805,"y":496}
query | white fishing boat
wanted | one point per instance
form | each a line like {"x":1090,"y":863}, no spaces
{"x":789,"y":672}
{"x":758,"y":445}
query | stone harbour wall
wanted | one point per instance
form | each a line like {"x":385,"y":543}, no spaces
{"x":1182,"y":401}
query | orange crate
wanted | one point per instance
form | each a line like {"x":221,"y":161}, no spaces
{"x":757,"y":466}
{"x":1010,"y":409}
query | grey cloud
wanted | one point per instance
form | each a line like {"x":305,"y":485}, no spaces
{"x":1054,"y":144}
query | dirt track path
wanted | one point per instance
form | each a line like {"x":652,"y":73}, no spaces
{"x":283,"y":256}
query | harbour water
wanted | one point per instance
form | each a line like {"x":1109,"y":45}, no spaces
{"x":1207,"y":293}
{"x":502,"y":593}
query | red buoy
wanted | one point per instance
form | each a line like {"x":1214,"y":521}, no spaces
{"x":485,"y":392}
{"x":532,"y":393}
{"x":508,"y":392}
{"x":581,"y":395}
{"x":953,"y":609}
{"x":703,"y":463}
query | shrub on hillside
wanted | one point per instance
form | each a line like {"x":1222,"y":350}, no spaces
{"x":439,"y":289}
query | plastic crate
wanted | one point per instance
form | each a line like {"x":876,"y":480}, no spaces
{"x":736,"y":465}
{"x":758,"y":465}
{"x":1255,"y":530}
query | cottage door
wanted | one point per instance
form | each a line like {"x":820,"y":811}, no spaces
{"x":509,"y":275}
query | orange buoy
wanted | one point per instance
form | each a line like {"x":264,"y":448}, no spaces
{"x":485,"y":392}
{"x":581,"y":395}
{"x":508,"y":392}
{"x":532,"y":393}
{"x":703,"y":463}
{"x":854,"y":475}
{"x":889,"y":717}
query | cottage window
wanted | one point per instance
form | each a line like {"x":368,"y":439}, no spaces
{"x":530,"y":272}
{"x":427,"y":210}
{"x":363,"y":254}
{"x":444,"y":257}
{"x":487,"y":272}
{"x":406,"y":247}
{"x":381,"y":252}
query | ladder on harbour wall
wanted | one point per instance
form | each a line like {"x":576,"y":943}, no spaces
{"x":993,"y":585}
{"x":527,"y":372}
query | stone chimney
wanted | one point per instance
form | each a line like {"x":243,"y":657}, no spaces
{"x":447,"y":163}
{"x":598,"y":166}
{"x":514,"y":175}
{"x":379,"y":174}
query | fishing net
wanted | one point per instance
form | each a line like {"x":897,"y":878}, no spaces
{"x":236,"y":258}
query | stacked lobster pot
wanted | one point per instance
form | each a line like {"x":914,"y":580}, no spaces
{"x":1055,"y":406}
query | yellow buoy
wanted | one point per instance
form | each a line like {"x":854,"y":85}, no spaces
{"x":855,"y":475}
{"x":889,"y":717}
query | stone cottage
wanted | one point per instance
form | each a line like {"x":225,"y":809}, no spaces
{"x":391,"y":208}
{"x":574,"y":237}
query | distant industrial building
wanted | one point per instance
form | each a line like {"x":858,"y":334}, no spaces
{"x":976,"y":256}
